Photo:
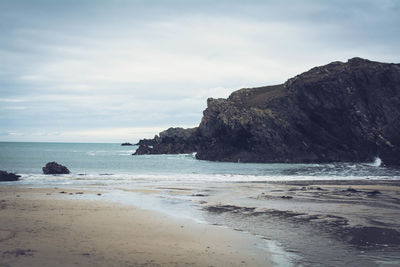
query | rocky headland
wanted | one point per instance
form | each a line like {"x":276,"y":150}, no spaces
{"x":171,"y":141}
{"x":340,"y":112}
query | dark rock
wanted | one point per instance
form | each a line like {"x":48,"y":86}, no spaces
{"x":146,"y":142}
{"x":55,"y":168}
{"x":144,"y":150}
{"x":171,"y":141}
{"x":126,"y":144}
{"x":316,"y":188}
{"x":374,"y":193}
{"x":340,"y":112}
{"x":199,"y":195}
{"x":351,"y":190}
{"x":8,"y":177}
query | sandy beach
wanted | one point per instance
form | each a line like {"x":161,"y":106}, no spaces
{"x":43,"y":227}
{"x":72,"y":226}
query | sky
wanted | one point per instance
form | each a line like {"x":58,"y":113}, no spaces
{"x":119,"y":70}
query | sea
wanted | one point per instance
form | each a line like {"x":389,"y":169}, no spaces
{"x":182,"y":186}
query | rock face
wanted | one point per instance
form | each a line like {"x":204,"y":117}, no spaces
{"x":347,"y":112}
{"x":55,"y":168}
{"x":7,"y":177}
{"x":170,"y":141}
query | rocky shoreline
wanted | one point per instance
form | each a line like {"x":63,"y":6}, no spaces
{"x":340,"y":112}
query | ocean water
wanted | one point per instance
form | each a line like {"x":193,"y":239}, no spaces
{"x":115,"y":161}
{"x":182,"y":186}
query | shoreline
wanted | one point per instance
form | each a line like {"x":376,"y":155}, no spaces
{"x":40,"y":228}
{"x":287,"y":222}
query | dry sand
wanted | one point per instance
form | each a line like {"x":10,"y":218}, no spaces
{"x":41,"y":227}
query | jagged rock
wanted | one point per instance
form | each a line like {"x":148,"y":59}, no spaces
{"x":143,"y":150}
{"x":126,"y":144}
{"x":8,"y":177}
{"x":146,"y":142}
{"x":340,"y":112}
{"x":170,"y":141}
{"x":55,"y":168}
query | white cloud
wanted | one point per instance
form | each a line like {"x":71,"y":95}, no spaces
{"x":201,"y":49}
{"x":11,"y":100}
{"x":14,"y":107}
{"x":145,"y":67}
{"x":15,"y":134}
{"x":112,"y":134}
{"x":117,"y":135}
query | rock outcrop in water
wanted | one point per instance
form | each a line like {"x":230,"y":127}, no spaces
{"x":8,"y":177}
{"x":170,"y":141}
{"x":126,"y":144}
{"x":55,"y":168}
{"x":340,"y":112}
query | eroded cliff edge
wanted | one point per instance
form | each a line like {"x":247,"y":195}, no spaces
{"x":340,"y":112}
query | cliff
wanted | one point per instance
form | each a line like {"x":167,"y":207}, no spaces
{"x":170,"y":141}
{"x":348,"y":112}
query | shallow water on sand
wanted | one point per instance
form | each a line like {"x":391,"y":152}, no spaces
{"x":277,"y":202}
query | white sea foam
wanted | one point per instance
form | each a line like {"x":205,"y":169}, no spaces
{"x":177,"y":178}
{"x":377,"y":162}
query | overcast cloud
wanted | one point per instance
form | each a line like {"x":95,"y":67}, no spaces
{"x":113,"y":71}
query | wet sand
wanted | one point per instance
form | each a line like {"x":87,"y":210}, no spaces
{"x":341,"y":206}
{"x":359,"y":219}
{"x":49,"y":227}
